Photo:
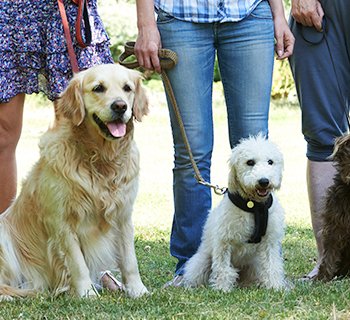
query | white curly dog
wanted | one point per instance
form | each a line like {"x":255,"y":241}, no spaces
{"x":241,"y":242}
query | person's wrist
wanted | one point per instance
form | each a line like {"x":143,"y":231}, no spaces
{"x":280,"y":19}
{"x":144,"y":25}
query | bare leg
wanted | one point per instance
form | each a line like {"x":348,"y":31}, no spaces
{"x":319,"y":179}
{"x":11,"y":119}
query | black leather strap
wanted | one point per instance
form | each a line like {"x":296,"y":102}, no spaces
{"x":260,"y":211}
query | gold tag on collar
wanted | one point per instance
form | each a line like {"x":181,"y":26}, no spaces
{"x":250,"y":204}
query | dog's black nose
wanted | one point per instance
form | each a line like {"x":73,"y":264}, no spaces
{"x":264,"y":182}
{"x":119,"y":106}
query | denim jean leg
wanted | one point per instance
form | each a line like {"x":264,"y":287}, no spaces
{"x":191,"y":81}
{"x":246,"y":57}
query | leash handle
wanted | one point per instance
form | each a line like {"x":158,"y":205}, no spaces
{"x":69,"y":42}
{"x":83,"y":15}
{"x":168,"y":58}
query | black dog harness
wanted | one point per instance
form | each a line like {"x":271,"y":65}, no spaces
{"x":260,"y":211}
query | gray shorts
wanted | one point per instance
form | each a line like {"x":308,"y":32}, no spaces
{"x":321,"y":68}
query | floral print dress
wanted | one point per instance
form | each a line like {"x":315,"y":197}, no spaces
{"x":33,"y":52}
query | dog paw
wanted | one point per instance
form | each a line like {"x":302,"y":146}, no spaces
{"x":136,"y":291}
{"x":188,"y":283}
{"x":224,"y":287}
{"x":91,"y":292}
{"x":278,"y":284}
{"x":323,"y":275}
{"x":224,"y":281}
{"x":6,"y":298}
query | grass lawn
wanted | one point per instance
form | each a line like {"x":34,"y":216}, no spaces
{"x":152,"y":219}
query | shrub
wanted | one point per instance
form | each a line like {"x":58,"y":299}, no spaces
{"x":283,"y":82}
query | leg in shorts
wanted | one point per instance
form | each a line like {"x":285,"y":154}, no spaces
{"x":321,"y":69}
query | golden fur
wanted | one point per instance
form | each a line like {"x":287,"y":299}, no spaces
{"x":72,"y":218}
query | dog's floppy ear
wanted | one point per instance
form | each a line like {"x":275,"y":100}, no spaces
{"x":341,"y":147}
{"x":71,"y":103}
{"x":232,"y":179}
{"x":140,"y":105}
{"x":340,"y":157}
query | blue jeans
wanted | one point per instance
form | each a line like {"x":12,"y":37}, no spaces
{"x":245,"y":53}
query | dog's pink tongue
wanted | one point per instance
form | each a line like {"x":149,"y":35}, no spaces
{"x":117,"y":129}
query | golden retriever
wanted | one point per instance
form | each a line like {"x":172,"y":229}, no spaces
{"x":72,"y":218}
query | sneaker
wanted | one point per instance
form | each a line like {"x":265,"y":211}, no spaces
{"x":177,"y":281}
{"x":312,"y":274}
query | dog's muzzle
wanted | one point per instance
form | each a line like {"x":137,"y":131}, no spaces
{"x":263,"y":187}
{"x":115,"y":127}
{"x":119,"y":107}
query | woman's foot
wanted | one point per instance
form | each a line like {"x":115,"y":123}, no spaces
{"x":177,"y":281}
{"x":110,"y":282}
{"x":312,"y":274}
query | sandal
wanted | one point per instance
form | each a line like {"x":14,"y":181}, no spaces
{"x":110,"y":282}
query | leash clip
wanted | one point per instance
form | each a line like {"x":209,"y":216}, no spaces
{"x":217,"y":190}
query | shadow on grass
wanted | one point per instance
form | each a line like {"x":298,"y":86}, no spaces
{"x":152,"y":246}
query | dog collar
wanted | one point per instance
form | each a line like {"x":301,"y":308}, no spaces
{"x":260,"y":211}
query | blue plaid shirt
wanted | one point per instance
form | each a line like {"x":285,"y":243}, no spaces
{"x":207,"y":11}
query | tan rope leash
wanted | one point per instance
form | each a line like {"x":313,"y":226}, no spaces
{"x":168,"y":60}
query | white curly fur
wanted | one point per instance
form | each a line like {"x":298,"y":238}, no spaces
{"x":225,"y":258}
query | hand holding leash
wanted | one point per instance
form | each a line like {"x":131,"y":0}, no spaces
{"x":168,"y":58}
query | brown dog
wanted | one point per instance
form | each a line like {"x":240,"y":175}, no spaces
{"x":336,"y":217}
{"x":72,"y":218}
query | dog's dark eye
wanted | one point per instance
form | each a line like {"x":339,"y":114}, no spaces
{"x":270,"y":162}
{"x":250,"y":163}
{"x":126,"y":88}
{"x":99,"y":88}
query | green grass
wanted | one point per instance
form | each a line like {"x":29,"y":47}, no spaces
{"x":304,"y":301}
{"x":152,"y":219}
